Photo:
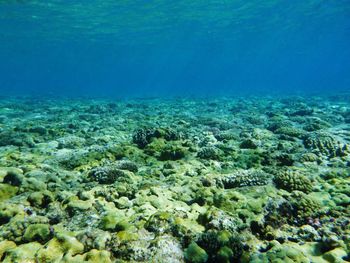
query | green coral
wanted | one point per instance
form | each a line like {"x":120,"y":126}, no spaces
{"x":108,"y":174}
{"x":144,"y":136}
{"x":309,"y":157}
{"x":225,"y":255}
{"x":302,"y":207}
{"x":195,"y":254}
{"x":279,"y":253}
{"x":221,"y":246}
{"x":315,"y":124}
{"x":296,"y":209}
{"x":241,"y":178}
{"x":292,"y":180}
{"x":325,"y":144}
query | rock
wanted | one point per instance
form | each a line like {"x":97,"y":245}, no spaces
{"x":94,"y":239}
{"x":37,"y":232}
{"x":167,"y":248}
{"x":57,"y":247}
{"x":114,"y":222}
{"x":5,"y":246}
{"x":40,"y":199}
{"x":23,"y":253}
{"x":97,"y":256}
{"x":7,"y":212}
{"x":13,"y":177}
{"x":335,"y":255}
{"x":77,"y":206}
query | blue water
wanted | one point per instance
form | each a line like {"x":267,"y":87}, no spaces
{"x":173,"y":48}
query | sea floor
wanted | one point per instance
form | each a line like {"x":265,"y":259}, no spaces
{"x":183,"y":180}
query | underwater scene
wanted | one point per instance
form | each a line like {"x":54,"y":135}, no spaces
{"x":174,"y":131}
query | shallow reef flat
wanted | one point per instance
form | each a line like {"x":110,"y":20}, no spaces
{"x":254,"y":179}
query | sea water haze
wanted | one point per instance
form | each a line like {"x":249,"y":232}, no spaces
{"x":202,"y":131}
{"x":162,"y":48}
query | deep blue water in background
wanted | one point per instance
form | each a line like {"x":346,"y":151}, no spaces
{"x":174,"y":48}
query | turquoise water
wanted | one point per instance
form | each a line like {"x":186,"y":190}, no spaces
{"x":179,"y":48}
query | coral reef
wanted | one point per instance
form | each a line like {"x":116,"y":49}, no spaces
{"x":183,"y":180}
